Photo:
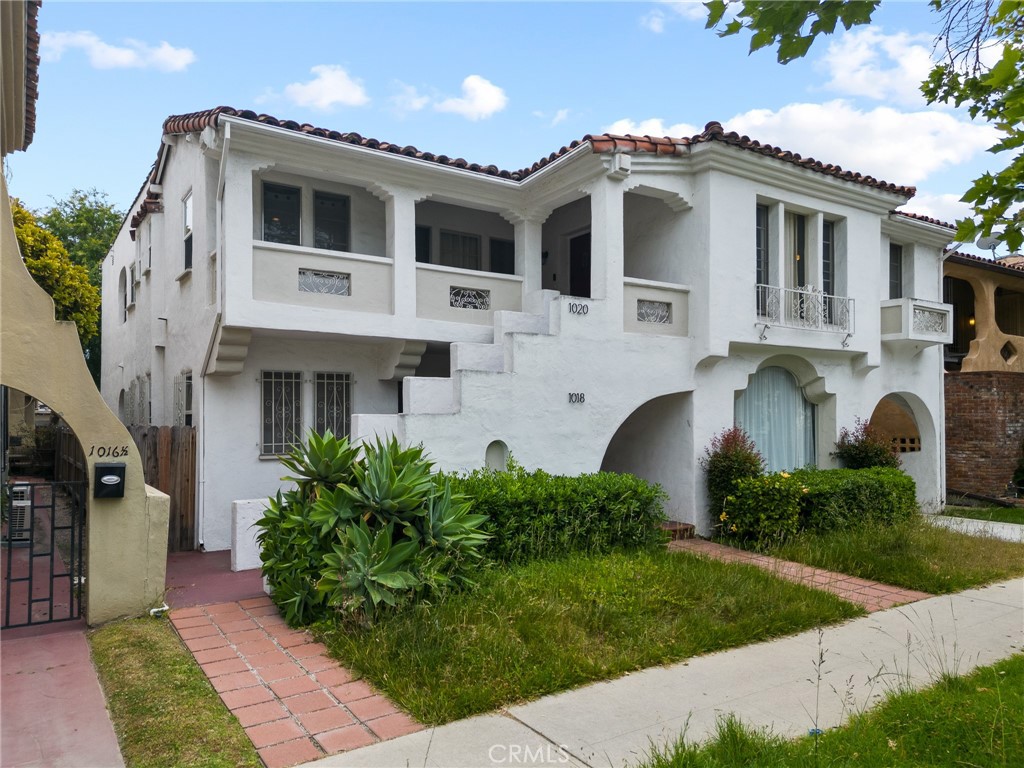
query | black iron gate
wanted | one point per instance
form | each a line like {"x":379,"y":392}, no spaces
{"x":41,"y":558}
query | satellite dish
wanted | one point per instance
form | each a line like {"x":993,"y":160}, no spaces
{"x":989,"y":243}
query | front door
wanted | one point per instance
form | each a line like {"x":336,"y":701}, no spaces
{"x":579,"y":266}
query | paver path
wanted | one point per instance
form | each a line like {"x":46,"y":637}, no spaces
{"x":295,"y":703}
{"x":871,"y":595}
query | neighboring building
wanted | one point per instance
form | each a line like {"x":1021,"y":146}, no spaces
{"x":614,"y":306}
{"x":984,"y":372}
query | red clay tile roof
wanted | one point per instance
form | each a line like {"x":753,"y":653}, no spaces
{"x":969,"y":260}
{"x":925,"y":219}
{"x":604,"y":142}
{"x":31,"y":68}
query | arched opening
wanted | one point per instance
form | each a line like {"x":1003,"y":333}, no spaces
{"x":960,"y":294}
{"x":893,"y":419}
{"x":42,"y":547}
{"x":777,"y":415}
{"x":655,"y":442}
{"x":496,"y":456}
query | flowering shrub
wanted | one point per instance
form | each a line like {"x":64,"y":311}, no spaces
{"x":863,"y":447}
{"x":762,"y":510}
{"x":731,"y":456}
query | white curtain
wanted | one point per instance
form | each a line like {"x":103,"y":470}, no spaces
{"x":774,"y":412}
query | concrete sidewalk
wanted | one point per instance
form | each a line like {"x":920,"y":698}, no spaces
{"x":1004,"y":531}
{"x":53,"y":712}
{"x":768,"y":684}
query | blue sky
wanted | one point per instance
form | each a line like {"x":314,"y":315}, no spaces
{"x":501,"y":83}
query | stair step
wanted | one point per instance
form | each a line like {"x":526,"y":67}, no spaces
{"x":423,"y":395}
{"x":471,"y":356}
{"x":677,"y":530}
{"x":506,"y":321}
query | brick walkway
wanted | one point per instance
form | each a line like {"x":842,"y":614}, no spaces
{"x":871,"y":595}
{"x":295,"y":703}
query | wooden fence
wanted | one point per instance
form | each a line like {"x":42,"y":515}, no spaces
{"x":69,"y":464}
{"x":169,"y":464}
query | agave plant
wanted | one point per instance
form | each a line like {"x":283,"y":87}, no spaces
{"x":392,"y":482}
{"x":323,"y":460}
{"x":448,"y":526}
{"x":366,"y":570}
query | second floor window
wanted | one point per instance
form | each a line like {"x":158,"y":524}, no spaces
{"x":460,"y":250}
{"x":186,"y":204}
{"x":828,"y":258}
{"x":895,"y":271}
{"x":330,"y":221}
{"x":281,"y":213}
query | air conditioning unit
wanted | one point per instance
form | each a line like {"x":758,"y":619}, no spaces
{"x":19,"y":515}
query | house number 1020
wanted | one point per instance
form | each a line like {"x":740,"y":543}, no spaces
{"x":576,"y":308}
{"x":575,"y":398}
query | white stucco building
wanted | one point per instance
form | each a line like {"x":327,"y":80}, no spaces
{"x":614,"y":306}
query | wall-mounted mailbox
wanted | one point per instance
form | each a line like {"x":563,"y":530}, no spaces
{"x":108,"y":481}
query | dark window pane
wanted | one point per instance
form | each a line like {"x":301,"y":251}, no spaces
{"x":460,"y":250}
{"x":331,"y":221}
{"x":281,"y":207}
{"x":503,"y":256}
{"x":828,"y":258}
{"x":423,"y":245}
{"x":895,"y":271}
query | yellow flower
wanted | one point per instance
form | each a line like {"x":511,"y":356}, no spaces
{"x":807,"y":490}
{"x":784,"y":474}
{"x":733,"y":528}
{"x":723,"y":517}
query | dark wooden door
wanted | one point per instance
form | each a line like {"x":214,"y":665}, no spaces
{"x":579,"y":266}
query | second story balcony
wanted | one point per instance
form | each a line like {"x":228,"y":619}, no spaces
{"x":805,"y":308}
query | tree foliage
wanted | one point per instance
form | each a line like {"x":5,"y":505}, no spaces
{"x":970,"y":28}
{"x":86,"y":222}
{"x":74,"y":296}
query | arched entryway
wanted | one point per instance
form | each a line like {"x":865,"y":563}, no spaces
{"x":655,"y":442}
{"x":42,"y":548}
{"x":904,"y":418}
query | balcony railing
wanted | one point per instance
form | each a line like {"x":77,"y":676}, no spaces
{"x":806,"y":308}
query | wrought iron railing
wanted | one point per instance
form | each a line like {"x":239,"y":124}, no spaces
{"x":804,"y":307}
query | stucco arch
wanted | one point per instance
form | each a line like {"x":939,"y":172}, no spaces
{"x":924,"y":465}
{"x":655,"y":442}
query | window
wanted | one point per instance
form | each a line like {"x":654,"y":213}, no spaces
{"x":503,"y":256}
{"x":281,"y":411}
{"x":796,"y":244}
{"x":761,"y":257}
{"x":281,"y":213}
{"x":333,"y":403}
{"x":187,"y":234}
{"x":330,"y":221}
{"x":187,"y":409}
{"x":149,"y":244}
{"x":423,"y":244}
{"x":773,"y":411}
{"x":895,"y":271}
{"x":122,"y":294}
{"x":460,"y":250}
{"x":828,"y":257}
{"x":133,"y":280}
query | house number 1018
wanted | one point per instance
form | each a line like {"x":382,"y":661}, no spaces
{"x":575,"y":398}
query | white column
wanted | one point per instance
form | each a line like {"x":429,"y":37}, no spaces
{"x":606,"y":247}
{"x":400,"y":225}
{"x":236,"y":259}
{"x":528,"y":230}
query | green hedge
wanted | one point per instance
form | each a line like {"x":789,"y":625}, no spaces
{"x":845,"y":498}
{"x":536,"y":515}
{"x":767,"y":509}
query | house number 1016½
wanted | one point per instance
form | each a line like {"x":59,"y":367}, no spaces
{"x":577,"y":398}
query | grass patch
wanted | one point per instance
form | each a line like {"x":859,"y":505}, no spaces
{"x":973,"y":720}
{"x":547,"y":626}
{"x":914,"y":554}
{"x":164,"y":709}
{"x":992,"y":514}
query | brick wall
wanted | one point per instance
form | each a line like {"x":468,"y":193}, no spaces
{"x":984,"y":430}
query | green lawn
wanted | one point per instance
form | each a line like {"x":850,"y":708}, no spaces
{"x":164,"y":709}
{"x":976,"y":720}
{"x":915,"y":555}
{"x":543,"y":627}
{"x":993,"y":514}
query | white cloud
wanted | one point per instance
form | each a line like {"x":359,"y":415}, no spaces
{"x":867,"y":62}
{"x":134,"y":54}
{"x":900,"y":147}
{"x":480,"y":99}
{"x":560,"y":117}
{"x":689,"y":9}
{"x":408,"y":99}
{"x":653,"y":21}
{"x":331,"y":86}
{"x":944,"y":207}
{"x":653,"y":126}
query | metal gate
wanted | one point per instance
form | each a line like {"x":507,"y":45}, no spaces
{"x":41,"y":557}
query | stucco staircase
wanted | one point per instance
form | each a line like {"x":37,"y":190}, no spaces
{"x":423,"y":395}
